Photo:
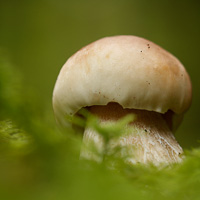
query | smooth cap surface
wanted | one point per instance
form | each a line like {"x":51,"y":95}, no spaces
{"x":129,"y":70}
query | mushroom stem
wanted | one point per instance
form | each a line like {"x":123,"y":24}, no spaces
{"x":147,"y":139}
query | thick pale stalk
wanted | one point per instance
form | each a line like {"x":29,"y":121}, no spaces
{"x":148,"y":139}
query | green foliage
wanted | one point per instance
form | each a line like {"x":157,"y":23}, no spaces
{"x":38,"y":161}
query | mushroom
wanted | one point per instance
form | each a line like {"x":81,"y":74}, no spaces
{"x":120,"y":75}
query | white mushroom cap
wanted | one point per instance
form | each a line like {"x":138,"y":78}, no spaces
{"x":129,"y":70}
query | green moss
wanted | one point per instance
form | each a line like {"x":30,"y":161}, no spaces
{"x":38,"y":161}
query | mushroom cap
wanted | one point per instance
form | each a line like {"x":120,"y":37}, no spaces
{"x":129,"y":70}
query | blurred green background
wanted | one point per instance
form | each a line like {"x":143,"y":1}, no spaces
{"x":40,"y":35}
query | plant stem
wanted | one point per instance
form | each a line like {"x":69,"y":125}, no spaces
{"x":148,"y":139}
